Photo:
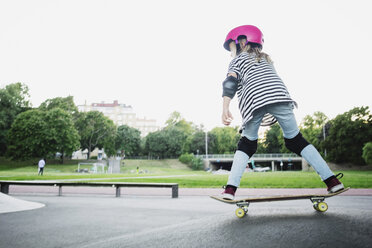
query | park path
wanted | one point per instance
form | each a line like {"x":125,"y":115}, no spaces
{"x":193,"y":221}
{"x":10,"y":204}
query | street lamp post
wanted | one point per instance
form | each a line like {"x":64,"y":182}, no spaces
{"x":324,"y":136}
{"x":206,"y":145}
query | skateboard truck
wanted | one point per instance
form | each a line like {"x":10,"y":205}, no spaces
{"x":242,"y":209}
{"x":319,"y":204}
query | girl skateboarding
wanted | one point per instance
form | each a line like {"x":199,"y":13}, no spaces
{"x":263,"y":100}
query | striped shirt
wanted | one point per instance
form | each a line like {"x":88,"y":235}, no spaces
{"x":259,"y":85}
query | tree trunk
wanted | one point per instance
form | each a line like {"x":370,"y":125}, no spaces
{"x":88,"y":157}
{"x":62,"y":157}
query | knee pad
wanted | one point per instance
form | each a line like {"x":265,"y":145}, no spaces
{"x":296,"y":144}
{"x":247,"y":146}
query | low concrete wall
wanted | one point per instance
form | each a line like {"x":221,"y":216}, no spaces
{"x":338,"y":167}
{"x":334,"y":166}
{"x":306,"y":166}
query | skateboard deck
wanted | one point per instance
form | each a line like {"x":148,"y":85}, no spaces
{"x":316,"y":199}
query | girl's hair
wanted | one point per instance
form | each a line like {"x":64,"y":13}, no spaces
{"x":249,"y":47}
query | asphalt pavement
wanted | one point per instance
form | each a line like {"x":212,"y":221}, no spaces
{"x":188,"y":221}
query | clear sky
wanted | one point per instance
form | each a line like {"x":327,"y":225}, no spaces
{"x":164,"y":56}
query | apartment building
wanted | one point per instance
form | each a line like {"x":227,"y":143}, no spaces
{"x":122,"y":114}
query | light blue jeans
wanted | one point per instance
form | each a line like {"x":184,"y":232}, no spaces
{"x":283,"y":112}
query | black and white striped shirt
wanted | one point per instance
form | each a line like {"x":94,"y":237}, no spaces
{"x":259,"y":85}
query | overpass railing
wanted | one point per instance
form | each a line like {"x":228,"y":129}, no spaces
{"x":267,"y":155}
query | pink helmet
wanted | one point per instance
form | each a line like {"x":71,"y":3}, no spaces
{"x":252,"y":33}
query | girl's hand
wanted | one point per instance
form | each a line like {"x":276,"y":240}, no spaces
{"x":227,"y":117}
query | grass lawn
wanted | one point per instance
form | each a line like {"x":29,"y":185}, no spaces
{"x":299,"y":179}
{"x":173,"y":171}
{"x":28,"y":170}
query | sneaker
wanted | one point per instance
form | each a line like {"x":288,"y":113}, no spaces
{"x":334,"y":184}
{"x":229,"y":192}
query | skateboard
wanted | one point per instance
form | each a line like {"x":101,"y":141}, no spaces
{"x":243,"y":204}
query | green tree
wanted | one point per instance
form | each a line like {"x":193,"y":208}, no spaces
{"x":128,"y":140}
{"x":176,"y":121}
{"x":212,"y":143}
{"x":27,"y":136}
{"x":196,"y":142}
{"x":347,"y":135}
{"x":62,"y":134}
{"x":367,"y":153}
{"x":36,"y":133}
{"x":65,"y":103}
{"x":176,"y":139}
{"x":273,"y":141}
{"x":156,"y":144}
{"x":312,"y":128}
{"x":260,"y":147}
{"x":165,"y":143}
{"x":225,"y":139}
{"x":13,"y":100}
{"x":96,"y":130}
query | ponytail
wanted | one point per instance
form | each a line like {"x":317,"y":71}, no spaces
{"x":249,"y":48}
{"x":259,"y":54}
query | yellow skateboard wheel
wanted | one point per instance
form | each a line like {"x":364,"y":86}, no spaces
{"x":322,"y":206}
{"x":240,"y":212}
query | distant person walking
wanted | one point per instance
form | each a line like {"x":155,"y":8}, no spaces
{"x":41,"y":166}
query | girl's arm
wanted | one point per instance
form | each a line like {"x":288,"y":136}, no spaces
{"x":226,"y":114}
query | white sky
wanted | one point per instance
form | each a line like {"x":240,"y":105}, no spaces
{"x":161,"y":56}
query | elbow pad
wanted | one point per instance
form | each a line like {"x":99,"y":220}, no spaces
{"x":230,"y":86}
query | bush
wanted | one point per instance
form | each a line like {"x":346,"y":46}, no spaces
{"x":191,"y":161}
{"x":367,"y":153}
{"x":197,"y":163}
{"x":186,"y":158}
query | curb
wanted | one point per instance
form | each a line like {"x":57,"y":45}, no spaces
{"x":10,"y":204}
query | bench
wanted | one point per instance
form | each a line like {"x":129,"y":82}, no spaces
{"x":4,"y":185}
